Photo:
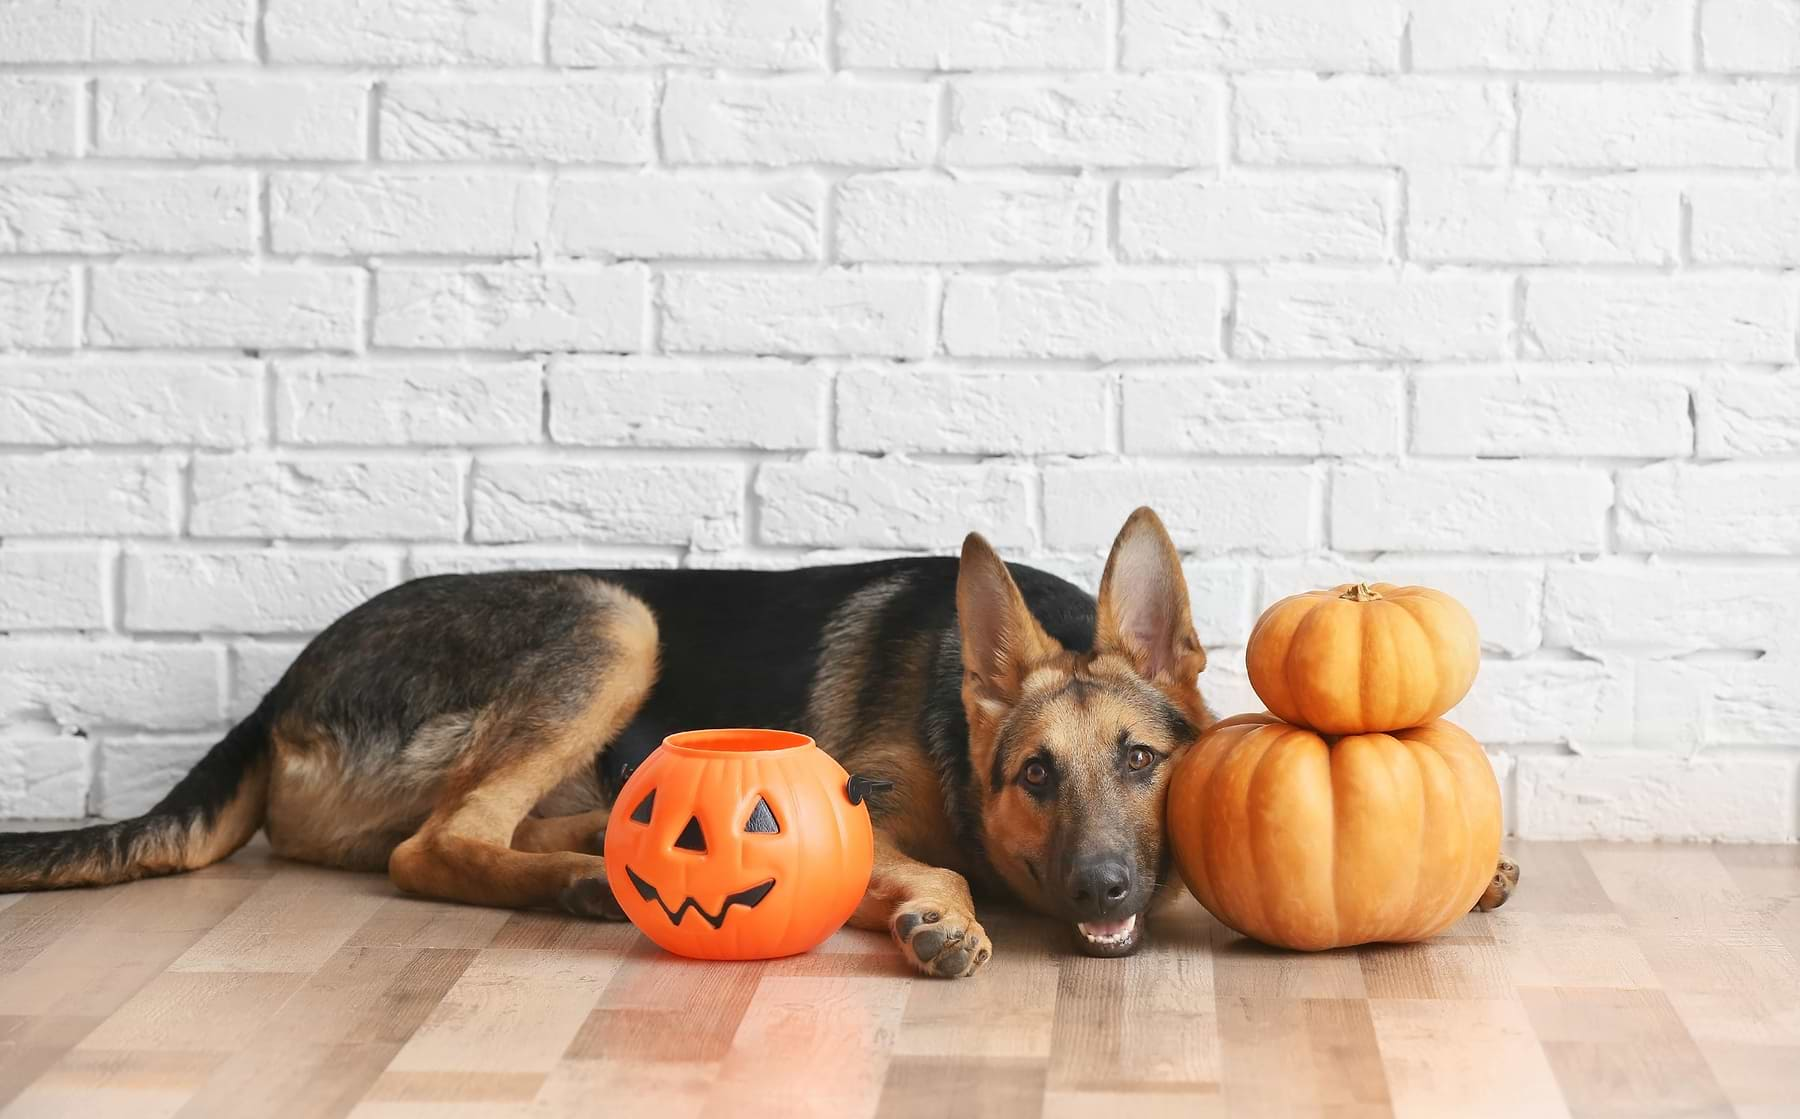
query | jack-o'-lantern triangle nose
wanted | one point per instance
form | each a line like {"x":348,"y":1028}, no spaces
{"x":690,"y":838}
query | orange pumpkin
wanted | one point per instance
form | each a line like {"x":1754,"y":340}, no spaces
{"x":1361,"y":658}
{"x":739,"y":844}
{"x":1310,"y":842}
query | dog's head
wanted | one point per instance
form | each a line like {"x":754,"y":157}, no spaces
{"x":1073,"y":751}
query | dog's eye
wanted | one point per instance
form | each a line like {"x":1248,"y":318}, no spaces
{"x":1141,"y":757}
{"x":1036,"y":773}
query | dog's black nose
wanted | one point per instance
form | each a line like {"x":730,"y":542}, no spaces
{"x":1099,"y":885}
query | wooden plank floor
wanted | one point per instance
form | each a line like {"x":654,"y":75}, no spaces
{"x":1621,"y":980}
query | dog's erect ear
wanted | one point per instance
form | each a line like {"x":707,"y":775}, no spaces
{"x":1000,"y":639}
{"x":1144,"y":604}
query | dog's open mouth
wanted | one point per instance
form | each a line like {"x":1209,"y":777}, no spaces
{"x":749,"y":899}
{"x":1111,"y":938}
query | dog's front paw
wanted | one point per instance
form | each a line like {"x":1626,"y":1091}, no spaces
{"x":591,"y":897}
{"x":1501,"y":887}
{"x":940,"y":940}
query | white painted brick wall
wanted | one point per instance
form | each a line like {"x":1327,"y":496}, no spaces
{"x":301,"y":298}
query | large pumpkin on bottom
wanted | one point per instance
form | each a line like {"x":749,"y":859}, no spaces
{"x":1311,"y":842}
{"x":739,"y":845}
{"x":1363,"y":657}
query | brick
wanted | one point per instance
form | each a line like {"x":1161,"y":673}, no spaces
{"x":1505,"y":597}
{"x":254,"y":668}
{"x":1659,"y":318}
{"x":476,"y":213}
{"x":37,"y":115}
{"x":695,"y":504}
{"x":1409,"y":315}
{"x":126,"y":31}
{"x":1747,"y":414}
{"x":851,"y":501}
{"x":247,"y":591}
{"x":408,"y":402}
{"x":135,"y":771}
{"x":195,"y":401}
{"x":1747,"y":509}
{"x":965,"y":411}
{"x":72,"y":493}
{"x":248,"y":306}
{"x":354,"y":31}
{"x":1507,"y":509}
{"x":769,"y":34}
{"x":1750,"y":222}
{"x":53,"y":587}
{"x":81,"y":685}
{"x":1402,"y":121}
{"x":260,"y":495}
{"x":838,"y":311}
{"x":1619,"y":35}
{"x":1103,"y":316}
{"x":1750,"y":36}
{"x":1322,"y":35}
{"x":1209,"y":509}
{"x":1661,"y":609}
{"x":932,"y":218}
{"x":232,"y":118}
{"x":45,"y":777}
{"x":512,"y":308}
{"x":1263,"y":412}
{"x":37,"y":307}
{"x":568,"y":118}
{"x":1748,"y":799}
{"x":709,"y":216}
{"x":1677,"y":124}
{"x":1256,"y":216}
{"x":474,"y":559}
{"x":657,"y":402}
{"x":973,"y":34}
{"x":729,"y":120}
{"x":1093,"y":120}
{"x":83,"y":211}
{"x":1484,"y":218}
{"x":1575,"y":702}
{"x":1550,"y":411}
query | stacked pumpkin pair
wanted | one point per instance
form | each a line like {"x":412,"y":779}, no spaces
{"x":1350,"y":812}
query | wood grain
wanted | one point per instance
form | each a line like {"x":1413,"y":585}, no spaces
{"x":1621,"y":980}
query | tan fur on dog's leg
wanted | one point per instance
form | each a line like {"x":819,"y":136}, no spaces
{"x":581,"y":832}
{"x":929,"y":912}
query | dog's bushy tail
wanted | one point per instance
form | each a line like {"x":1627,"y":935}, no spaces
{"x":212,"y":812}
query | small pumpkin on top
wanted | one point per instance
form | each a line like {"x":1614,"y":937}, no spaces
{"x":1361,"y":657}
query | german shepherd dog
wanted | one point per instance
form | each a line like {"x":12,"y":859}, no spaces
{"x":467,"y":733}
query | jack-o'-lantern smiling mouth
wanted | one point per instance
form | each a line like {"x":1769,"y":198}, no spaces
{"x":749,"y":899}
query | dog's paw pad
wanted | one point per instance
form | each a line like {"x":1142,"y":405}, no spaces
{"x":948,"y":947}
{"x":1500,"y":887}
{"x":591,"y":897}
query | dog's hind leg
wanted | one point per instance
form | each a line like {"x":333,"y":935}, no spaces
{"x":583,"y":832}
{"x":519,"y":751}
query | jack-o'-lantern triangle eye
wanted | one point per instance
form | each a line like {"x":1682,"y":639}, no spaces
{"x":641,"y":814}
{"x":762,"y":820}
{"x":691,"y":838}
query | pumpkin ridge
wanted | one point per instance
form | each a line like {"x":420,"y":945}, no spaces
{"x":1258,"y":854}
{"x":1422,"y":751}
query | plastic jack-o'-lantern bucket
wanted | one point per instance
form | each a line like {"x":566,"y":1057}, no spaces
{"x":739,"y":844}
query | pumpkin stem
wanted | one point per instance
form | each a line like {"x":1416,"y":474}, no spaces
{"x":1362,"y":592}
